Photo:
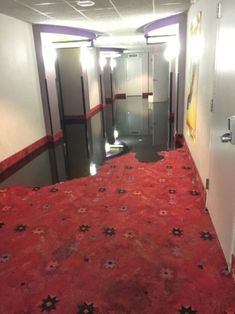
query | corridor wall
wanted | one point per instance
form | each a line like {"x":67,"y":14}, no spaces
{"x":22,"y":121}
{"x":199,"y":147}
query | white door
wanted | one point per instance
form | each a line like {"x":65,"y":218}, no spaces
{"x":221,"y":196}
{"x":160,"y":78}
{"x":134,"y":76}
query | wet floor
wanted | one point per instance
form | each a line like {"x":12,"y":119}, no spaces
{"x":82,"y":151}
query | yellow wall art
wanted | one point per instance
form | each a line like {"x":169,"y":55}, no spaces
{"x":195,"y":47}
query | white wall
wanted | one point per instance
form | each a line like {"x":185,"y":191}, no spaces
{"x":119,"y":76}
{"x":93,"y":77}
{"x":200,"y":148}
{"x":160,"y":76}
{"x":22,"y":121}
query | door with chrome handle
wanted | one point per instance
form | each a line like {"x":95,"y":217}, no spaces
{"x":229,"y":137}
{"x":226,"y":137}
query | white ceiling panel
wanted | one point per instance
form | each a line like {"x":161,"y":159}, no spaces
{"x":136,"y":6}
{"x":117,"y":18}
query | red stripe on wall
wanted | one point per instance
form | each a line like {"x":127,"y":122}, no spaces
{"x":94,"y":111}
{"x":109,"y":101}
{"x":120,"y":96}
{"x":39,"y":145}
{"x":145,"y":95}
{"x":90,"y":114}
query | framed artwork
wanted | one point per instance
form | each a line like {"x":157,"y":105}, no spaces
{"x":192,"y":92}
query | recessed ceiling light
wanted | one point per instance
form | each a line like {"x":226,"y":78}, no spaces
{"x":85,"y":3}
{"x":172,"y":3}
{"x":45,"y":3}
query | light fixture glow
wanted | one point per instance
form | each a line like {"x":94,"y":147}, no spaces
{"x":45,"y":3}
{"x":151,"y":40}
{"x":86,"y":59}
{"x":115,"y":134}
{"x":73,"y":44}
{"x":85,"y":3}
{"x":113,"y":63}
{"x":93,"y":169}
{"x":103,"y":62}
{"x":172,"y":50}
{"x":49,"y":55}
{"x":165,"y":31}
{"x":107,"y":147}
{"x":110,"y":54}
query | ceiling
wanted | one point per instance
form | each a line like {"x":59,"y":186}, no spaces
{"x":118,"y":21}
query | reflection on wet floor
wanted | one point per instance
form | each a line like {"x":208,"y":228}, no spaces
{"x":85,"y":148}
{"x":143,"y":147}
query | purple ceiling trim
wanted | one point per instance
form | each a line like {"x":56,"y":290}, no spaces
{"x":120,"y":50}
{"x":174,"y":19}
{"x":66,"y":30}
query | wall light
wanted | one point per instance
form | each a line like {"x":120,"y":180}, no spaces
{"x":49,"y":53}
{"x":160,"y":39}
{"x":172,"y":50}
{"x":107,"y":147}
{"x":86,"y":59}
{"x":85,"y":3}
{"x":110,"y":54}
{"x":73,"y":44}
{"x":103,"y":62}
{"x":93,"y":169}
{"x":113,"y":63}
{"x":115,"y":134}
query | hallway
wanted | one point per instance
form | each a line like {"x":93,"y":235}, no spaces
{"x":135,"y":238}
{"x":117,"y":134}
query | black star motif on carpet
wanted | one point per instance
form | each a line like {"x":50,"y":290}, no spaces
{"x":36,"y":188}
{"x":2,"y":224}
{"x":54,"y":190}
{"x":187,"y":168}
{"x":128,"y":167}
{"x":206,"y":236}
{"x":84,"y":228}
{"x":168,"y":167}
{"x":205,"y":211}
{"x":121,"y":191}
{"x":109,"y":231}
{"x":4,"y":258}
{"x":187,"y":310}
{"x":102,"y":189}
{"x":200,"y":265}
{"x":172,"y":191}
{"x":85,"y":308}
{"x":177,"y":232}
{"x":49,"y":304}
{"x":110,"y":264}
{"x":113,"y":166}
{"x":20,"y":228}
{"x":194,"y":193}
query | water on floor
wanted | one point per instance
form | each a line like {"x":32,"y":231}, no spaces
{"x":84,"y":148}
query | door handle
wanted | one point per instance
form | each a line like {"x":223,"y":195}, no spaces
{"x":226,"y":137}
{"x":230,"y":136}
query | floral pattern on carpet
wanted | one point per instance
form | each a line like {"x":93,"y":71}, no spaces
{"x":135,"y":238}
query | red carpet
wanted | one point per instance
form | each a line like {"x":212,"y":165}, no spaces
{"x":135,"y":238}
